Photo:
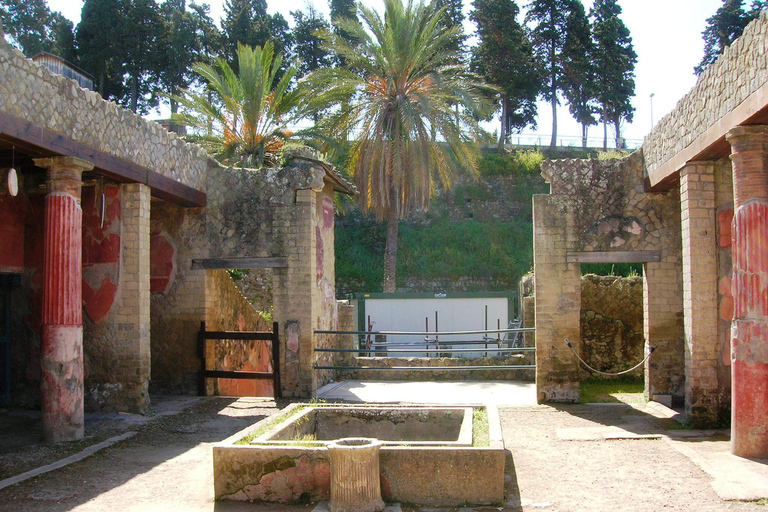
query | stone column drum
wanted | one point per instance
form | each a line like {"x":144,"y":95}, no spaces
{"x":62,"y":315}
{"x":749,"y":329}
{"x":355,"y":485}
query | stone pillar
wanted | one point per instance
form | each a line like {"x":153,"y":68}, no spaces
{"x":697,"y":208}
{"x":294,"y":291}
{"x":557,"y":286}
{"x":749,"y":329}
{"x":62,"y":314}
{"x":132,"y":343}
{"x":663,"y":327}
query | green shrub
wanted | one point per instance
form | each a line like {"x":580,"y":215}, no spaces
{"x":503,"y":163}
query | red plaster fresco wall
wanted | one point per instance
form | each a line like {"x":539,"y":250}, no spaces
{"x":12,"y":212}
{"x":101,"y":250}
{"x":161,"y":262}
{"x":228,"y":310}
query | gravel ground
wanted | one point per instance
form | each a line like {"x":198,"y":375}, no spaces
{"x":167,"y":465}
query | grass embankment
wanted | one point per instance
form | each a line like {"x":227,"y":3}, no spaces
{"x":457,"y":237}
{"x":625,"y":389}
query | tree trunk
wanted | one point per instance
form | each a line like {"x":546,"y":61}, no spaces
{"x":503,"y":134}
{"x":553,"y":91}
{"x":618,"y":134}
{"x":134,"y":93}
{"x":553,"y":142}
{"x":584,"y":128}
{"x":390,"y":251}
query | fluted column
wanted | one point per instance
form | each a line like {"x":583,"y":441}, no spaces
{"x":749,"y":329}
{"x":355,"y":477}
{"x":62,"y":315}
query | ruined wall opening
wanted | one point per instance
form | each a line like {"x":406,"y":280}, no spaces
{"x":611,"y":321}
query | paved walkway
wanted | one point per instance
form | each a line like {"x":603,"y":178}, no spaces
{"x":501,"y":393}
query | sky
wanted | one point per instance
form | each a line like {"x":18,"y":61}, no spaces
{"x":666,"y":35}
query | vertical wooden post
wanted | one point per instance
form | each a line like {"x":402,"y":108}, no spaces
{"x":201,"y":355}
{"x":278,"y":391}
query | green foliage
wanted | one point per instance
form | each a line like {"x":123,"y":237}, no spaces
{"x":502,"y":163}
{"x":724,"y":27}
{"x":33,"y":28}
{"x":549,"y":28}
{"x":579,"y":70}
{"x":442,"y":249}
{"x":270,"y":423}
{"x":402,"y":90}
{"x":250,"y":110}
{"x":614,"y":62}
{"x":450,"y":249}
{"x":613,"y":269}
{"x":308,"y":46}
{"x":620,"y":389}
{"x":611,"y":154}
{"x":238,"y":273}
{"x":481,"y":437}
{"x":504,"y":57}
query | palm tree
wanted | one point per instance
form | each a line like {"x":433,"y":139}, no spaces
{"x":398,"y":91}
{"x":244,"y":120}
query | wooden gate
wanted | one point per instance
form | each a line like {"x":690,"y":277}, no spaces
{"x":207,"y":366}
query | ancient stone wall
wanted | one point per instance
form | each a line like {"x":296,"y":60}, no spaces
{"x":739,"y":72}
{"x":227,"y":309}
{"x":250,"y":213}
{"x":602,"y":206}
{"x":85,"y":117}
{"x":437,"y":374}
{"x":612,"y":323}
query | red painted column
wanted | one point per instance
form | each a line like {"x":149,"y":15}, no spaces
{"x":749,"y":329}
{"x":62,"y":315}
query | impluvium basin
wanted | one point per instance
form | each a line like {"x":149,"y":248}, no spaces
{"x":427,"y":455}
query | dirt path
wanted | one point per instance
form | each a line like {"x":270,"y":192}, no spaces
{"x":166,"y":466}
{"x":557,"y":461}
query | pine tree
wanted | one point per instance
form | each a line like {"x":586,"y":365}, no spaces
{"x":183,"y":44}
{"x":549,"y":21}
{"x":453,"y":16}
{"x":341,"y":9}
{"x":725,"y":27}
{"x":33,"y":28}
{"x":141,"y":52}
{"x":504,"y":56}
{"x":308,"y":46}
{"x":615,"y":67}
{"x":579,"y":70}
{"x":245,"y":22}
{"x":97,"y":37}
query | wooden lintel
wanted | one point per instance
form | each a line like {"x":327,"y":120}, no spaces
{"x":213,"y":263}
{"x":613,"y":256}
{"x":223,"y":374}
{"x":118,"y":169}
{"x":237,"y":335}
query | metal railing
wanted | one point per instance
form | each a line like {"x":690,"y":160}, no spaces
{"x":379,"y":346}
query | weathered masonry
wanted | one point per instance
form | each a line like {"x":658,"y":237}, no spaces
{"x":112,"y":250}
{"x":692,"y":206}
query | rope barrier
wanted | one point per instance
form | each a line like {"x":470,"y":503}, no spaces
{"x":638,"y":365}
